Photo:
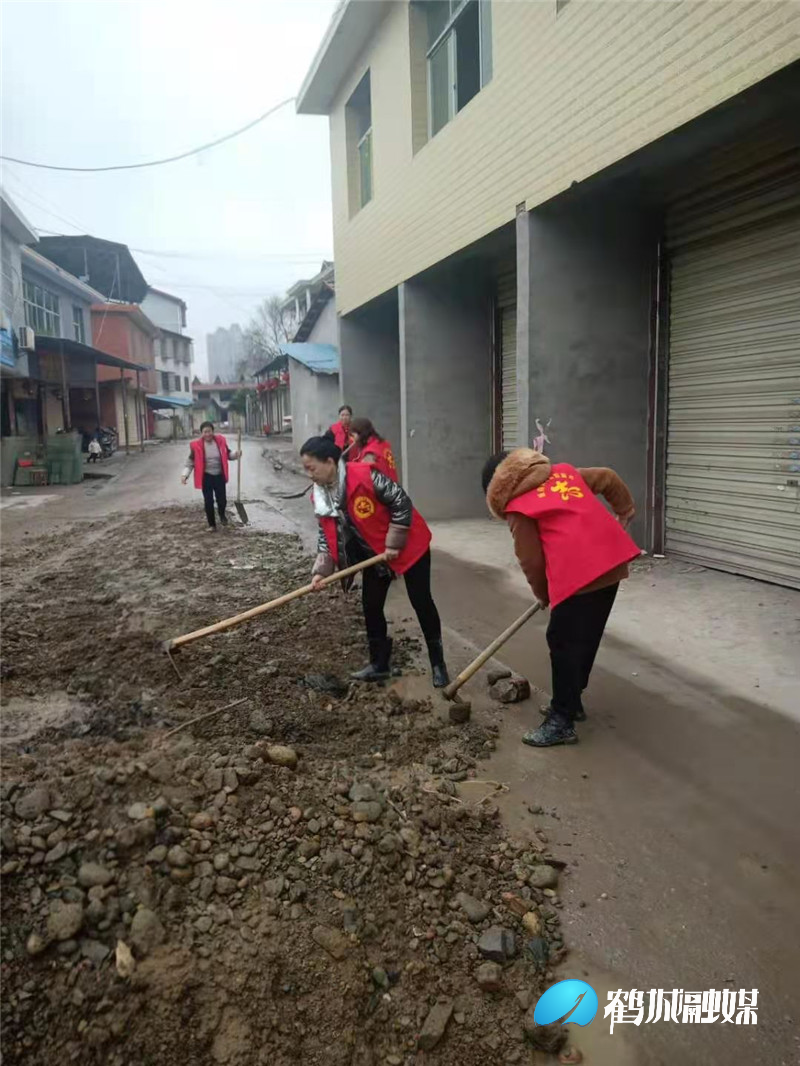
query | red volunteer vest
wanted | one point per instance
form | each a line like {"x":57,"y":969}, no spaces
{"x":371,"y":519}
{"x":382,"y":450}
{"x":580,"y":539}
{"x":200,"y":458}
{"x":341,"y":436}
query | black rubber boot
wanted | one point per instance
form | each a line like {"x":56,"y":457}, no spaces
{"x":555,"y":729}
{"x":379,"y":669}
{"x":546,"y":709}
{"x":438,"y":667}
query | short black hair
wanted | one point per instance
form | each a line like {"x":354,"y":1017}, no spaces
{"x":204,"y":424}
{"x":345,"y":407}
{"x":321,"y":448}
{"x":489,"y":468}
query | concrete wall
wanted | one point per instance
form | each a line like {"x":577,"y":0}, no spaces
{"x":370,"y":367}
{"x":591,"y":270}
{"x":315,"y":399}
{"x":446,"y":382}
{"x":326,"y":328}
{"x":163,"y":311}
{"x":66,"y":301}
{"x":571,"y":93}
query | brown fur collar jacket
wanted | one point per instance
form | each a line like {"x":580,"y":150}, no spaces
{"x":525,"y":469}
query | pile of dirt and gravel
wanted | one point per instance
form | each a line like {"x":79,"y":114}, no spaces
{"x":305,"y":877}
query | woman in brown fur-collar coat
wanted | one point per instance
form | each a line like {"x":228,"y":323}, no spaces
{"x":574,"y":555}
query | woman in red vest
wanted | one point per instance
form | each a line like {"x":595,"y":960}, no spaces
{"x":574,"y":555}
{"x":341,"y":432}
{"x":370,"y":447}
{"x":208,"y":458}
{"x":362,"y":513}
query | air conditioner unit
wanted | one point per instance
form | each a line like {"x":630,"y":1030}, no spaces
{"x":27,"y":338}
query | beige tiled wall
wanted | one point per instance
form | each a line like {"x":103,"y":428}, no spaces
{"x":570,"y":95}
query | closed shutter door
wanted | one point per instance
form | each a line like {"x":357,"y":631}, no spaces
{"x":733,"y":445}
{"x":509,"y":407}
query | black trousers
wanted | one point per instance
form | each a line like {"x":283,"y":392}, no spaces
{"x":375,"y":588}
{"x":214,"y":485}
{"x":573,"y":635}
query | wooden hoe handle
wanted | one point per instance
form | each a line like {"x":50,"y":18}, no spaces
{"x":254,"y":612}
{"x":485,"y":655}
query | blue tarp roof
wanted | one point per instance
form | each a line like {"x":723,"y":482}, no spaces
{"x":168,"y":401}
{"x":321,"y":358}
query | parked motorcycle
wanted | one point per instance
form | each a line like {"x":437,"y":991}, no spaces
{"x":107,"y":438}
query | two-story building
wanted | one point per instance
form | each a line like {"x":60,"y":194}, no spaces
{"x":583,"y":213}
{"x":174,"y":364}
{"x":300,"y":298}
{"x":51,"y":393}
{"x":299,"y":388}
{"x":125,"y":331}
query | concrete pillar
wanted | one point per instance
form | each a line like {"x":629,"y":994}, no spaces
{"x":524,"y":421}
{"x":590,"y":293}
{"x":369,"y":378}
{"x":445,"y":386}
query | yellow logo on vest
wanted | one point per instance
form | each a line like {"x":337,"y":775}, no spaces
{"x":560,"y":484}
{"x":390,"y":459}
{"x":363,"y":507}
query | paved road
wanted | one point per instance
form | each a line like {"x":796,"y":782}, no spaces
{"x":139,"y":480}
{"x":681,"y":804}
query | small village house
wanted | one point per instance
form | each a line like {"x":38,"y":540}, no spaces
{"x":51,"y":400}
{"x":123,"y":330}
{"x":174,"y":364}
{"x":299,"y":388}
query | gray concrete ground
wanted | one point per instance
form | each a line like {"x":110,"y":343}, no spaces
{"x":677,"y":812}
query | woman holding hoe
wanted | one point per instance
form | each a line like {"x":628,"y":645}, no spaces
{"x":363,"y":513}
{"x":208,"y":458}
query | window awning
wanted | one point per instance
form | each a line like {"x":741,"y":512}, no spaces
{"x":168,"y":401}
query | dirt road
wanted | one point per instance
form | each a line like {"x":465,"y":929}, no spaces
{"x":678,"y":811}
{"x":681,"y":804}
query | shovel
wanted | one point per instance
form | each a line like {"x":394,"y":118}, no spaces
{"x":451,"y":690}
{"x":254,"y":612}
{"x":240,"y":508}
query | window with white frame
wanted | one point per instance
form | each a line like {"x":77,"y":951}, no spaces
{"x":459,"y":56}
{"x":358,"y":122}
{"x":78,"y":327}
{"x":42,"y":312}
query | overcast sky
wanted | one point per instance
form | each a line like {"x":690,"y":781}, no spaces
{"x":96,"y":82}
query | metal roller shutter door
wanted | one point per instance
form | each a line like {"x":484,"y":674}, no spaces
{"x":507,"y":308}
{"x":733,"y":445}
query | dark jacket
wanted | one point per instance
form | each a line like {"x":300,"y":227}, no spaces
{"x":352,"y":547}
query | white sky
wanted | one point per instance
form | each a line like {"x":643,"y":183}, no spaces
{"x":95,"y":82}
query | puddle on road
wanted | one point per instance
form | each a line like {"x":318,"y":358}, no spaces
{"x":264,"y":518}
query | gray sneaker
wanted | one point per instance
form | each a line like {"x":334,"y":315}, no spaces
{"x":553,"y":730}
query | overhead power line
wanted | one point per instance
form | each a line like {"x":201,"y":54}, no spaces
{"x":154,"y":162}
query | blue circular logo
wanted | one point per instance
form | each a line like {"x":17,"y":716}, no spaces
{"x":568,"y":1001}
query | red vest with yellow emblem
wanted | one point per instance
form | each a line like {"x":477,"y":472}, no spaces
{"x":371,"y":519}
{"x":382,"y":450}
{"x":581,"y":541}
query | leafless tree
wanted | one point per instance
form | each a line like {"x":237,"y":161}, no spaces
{"x":266,"y":331}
